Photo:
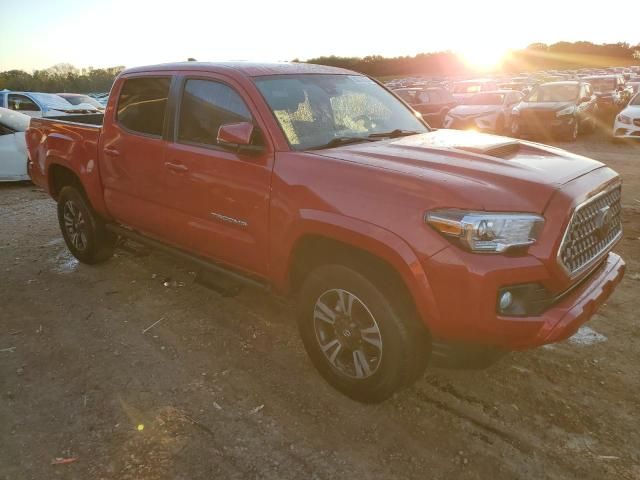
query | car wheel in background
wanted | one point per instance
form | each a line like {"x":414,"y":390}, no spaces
{"x":360,"y":337}
{"x":83,"y":230}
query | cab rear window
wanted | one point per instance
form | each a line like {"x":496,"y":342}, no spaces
{"x":142,"y":104}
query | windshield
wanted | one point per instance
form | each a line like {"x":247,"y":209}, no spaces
{"x":554,"y":93}
{"x":485,"y":99}
{"x":78,"y":99}
{"x":635,"y":100}
{"x":52,"y":101}
{"x":602,"y":84}
{"x":313,"y":110}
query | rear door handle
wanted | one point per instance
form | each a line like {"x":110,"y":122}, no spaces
{"x":111,"y":152}
{"x":176,"y":167}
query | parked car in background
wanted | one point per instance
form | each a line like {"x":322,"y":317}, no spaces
{"x":36,"y":104}
{"x":627,"y":122}
{"x":80,"y":99}
{"x":393,"y":239}
{"x":467,"y":88}
{"x":13,"y":149}
{"x":432,"y":102}
{"x":562,"y":109}
{"x":611,"y":92}
{"x":487,"y":111}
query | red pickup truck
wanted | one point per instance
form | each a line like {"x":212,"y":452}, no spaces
{"x":398,"y":242}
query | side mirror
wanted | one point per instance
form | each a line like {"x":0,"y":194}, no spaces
{"x":238,"y":136}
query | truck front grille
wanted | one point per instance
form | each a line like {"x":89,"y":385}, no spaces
{"x":594,"y":227}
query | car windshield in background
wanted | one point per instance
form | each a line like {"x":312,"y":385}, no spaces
{"x":52,"y":101}
{"x":635,"y":100}
{"x":316,"y":111}
{"x":467,"y":88}
{"x":554,"y":93}
{"x":602,"y":84}
{"x":485,"y":99}
{"x":78,"y":99}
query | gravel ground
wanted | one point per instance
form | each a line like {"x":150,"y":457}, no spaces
{"x":133,"y":379}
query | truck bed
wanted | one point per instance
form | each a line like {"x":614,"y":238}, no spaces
{"x":84,"y":118}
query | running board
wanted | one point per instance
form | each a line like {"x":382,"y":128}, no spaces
{"x":212,"y":270}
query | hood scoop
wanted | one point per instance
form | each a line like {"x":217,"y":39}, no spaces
{"x":499,"y":150}
{"x":467,"y":141}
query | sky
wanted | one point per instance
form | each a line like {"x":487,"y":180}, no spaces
{"x":36,"y":34}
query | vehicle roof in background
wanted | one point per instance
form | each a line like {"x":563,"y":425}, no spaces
{"x":244,"y":68}
{"x":14,"y":120}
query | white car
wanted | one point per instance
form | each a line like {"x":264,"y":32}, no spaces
{"x":487,"y":111}
{"x":36,"y":104}
{"x":13,"y":150}
{"x":627,"y":122}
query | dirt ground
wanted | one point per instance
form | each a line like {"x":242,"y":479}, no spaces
{"x":137,"y":380}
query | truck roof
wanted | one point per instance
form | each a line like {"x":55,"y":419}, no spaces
{"x":247,"y":69}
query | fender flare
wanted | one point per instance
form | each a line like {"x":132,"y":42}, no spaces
{"x":362,"y":235}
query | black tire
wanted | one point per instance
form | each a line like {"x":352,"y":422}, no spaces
{"x":83,"y":230}
{"x":404,"y":344}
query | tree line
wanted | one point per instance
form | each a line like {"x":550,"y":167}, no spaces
{"x":538,"y":56}
{"x":60,"y":78}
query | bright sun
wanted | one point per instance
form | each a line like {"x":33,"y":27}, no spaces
{"x":483,"y":56}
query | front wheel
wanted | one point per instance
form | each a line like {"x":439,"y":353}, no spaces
{"x":83,"y":231}
{"x":361,"y":340}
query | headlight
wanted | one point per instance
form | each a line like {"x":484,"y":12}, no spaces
{"x":485,"y":231}
{"x":566,"y":111}
{"x":624,"y":119}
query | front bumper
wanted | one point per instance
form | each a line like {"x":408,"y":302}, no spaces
{"x":554,"y":126}
{"x":625,"y":130}
{"x":467,"y":299}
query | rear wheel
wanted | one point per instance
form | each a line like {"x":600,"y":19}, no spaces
{"x":364,"y":342}
{"x":83,"y":230}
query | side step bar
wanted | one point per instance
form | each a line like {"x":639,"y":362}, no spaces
{"x":206,"y":265}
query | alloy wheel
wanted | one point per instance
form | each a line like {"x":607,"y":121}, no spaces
{"x":347,"y":334}
{"x":75,"y":225}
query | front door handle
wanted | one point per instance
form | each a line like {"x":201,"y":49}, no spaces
{"x":176,"y":167}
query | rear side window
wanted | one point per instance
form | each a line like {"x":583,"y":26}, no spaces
{"x":21,"y":103}
{"x":207,"y":105}
{"x":143,"y":103}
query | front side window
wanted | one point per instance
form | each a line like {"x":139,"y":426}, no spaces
{"x":21,"y":103}
{"x":142,"y":104}
{"x":206,"y":106}
{"x":314,"y":110}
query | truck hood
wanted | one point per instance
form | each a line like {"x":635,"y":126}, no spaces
{"x":474,"y":170}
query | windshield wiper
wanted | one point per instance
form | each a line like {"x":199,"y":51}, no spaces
{"x":393,"y":133}
{"x":340,"y":141}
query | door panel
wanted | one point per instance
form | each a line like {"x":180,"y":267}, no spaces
{"x":220,"y":195}
{"x":132,"y":158}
